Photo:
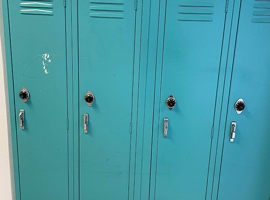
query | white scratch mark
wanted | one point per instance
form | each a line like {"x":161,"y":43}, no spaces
{"x":45,"y":61}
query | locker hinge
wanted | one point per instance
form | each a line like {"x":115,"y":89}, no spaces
{"x":212,"y":132}
{"x":64,"y":3}
{"x":130,"y":128}
{"x":135,"y":4}
{"x":226,"y":6}
{"x":67,"y":124}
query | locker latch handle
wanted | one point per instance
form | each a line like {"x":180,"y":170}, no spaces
{"x":85,"y":122}
{"x":233,"y":128}
{"x":21,"y":119}
{"x":166,"y":124}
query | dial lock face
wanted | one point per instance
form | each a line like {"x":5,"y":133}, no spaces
{"x":24,"y":94}
{"x":171,"y":102}
{"x":239,"y":106}
{"x":89,"y":98}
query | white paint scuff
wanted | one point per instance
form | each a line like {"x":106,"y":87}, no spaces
{"x":46,"y":60}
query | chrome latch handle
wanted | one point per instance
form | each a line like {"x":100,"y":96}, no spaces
{"x":85,"y":122}
{"x":233,"y":128}
{"x":166,"y":124}
{"x":21,"y":119}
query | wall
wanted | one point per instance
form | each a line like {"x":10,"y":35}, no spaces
{"x":5,"y":140}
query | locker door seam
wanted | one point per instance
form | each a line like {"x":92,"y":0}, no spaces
{"x":75,"y":117}
{"x":228,"y":102}
{"x":215,"y":105}
{"x":145,"y":92}
{"x":132,"y":95}
{"x":137,"y":114}
{"x":79,"y":112}
{"x":67,"y":95}
{"x":222,"y":99}
{"x":151,"y":153}
{"x":160,"y":92}
{"x":154,"y":101}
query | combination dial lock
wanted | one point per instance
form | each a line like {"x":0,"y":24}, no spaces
{"x":171,"y":102}
{"x":89,"y":98}
{"x":24,"y":94}
{"x":239,"y":106}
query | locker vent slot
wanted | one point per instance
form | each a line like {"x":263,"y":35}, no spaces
{"x":113,"y":9}
{"x":38,"y":7}
{"x":201,"y":11}
{"x":261,"y":11}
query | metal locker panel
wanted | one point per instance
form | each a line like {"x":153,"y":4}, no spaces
{"x":106,"y":57}
{"x":193,"y":34}
{"x":245,"y":169}
{"x":37,"y":32}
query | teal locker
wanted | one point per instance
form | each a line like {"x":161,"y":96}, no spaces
{"x":189,"y":67}
{"x":245,"y":163}
{"x":38,"y":56}
{"x":119,"y":99}
{"x":106,"y":61}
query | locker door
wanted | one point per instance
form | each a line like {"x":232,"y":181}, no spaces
{"x":245,"y":172}
{"x":39,"y":64}
{"x":106,"y":50}
{"x":191,"y":57}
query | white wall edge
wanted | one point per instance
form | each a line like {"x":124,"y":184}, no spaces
{"x":7,"y":102}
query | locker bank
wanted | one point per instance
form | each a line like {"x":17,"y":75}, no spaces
{"x":139,"y":99}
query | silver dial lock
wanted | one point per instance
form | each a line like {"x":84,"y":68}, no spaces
{"x":171,"y":102}
{"x":89,"y":98}
{"x":239,"y":106}
{"x":24,"y":94}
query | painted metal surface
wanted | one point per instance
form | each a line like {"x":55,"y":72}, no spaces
{"x":38,"y":57}
{"x":190,"y":67}
{"x":245,"y":165}
{"x":132,"y":56}
{"x":106,"y":62}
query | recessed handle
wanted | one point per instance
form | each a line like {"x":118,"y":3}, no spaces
{"x":233,"y":128}
{"x":166,"y":124}
{"x":21,"y":119}
{"x":85,"y":122}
